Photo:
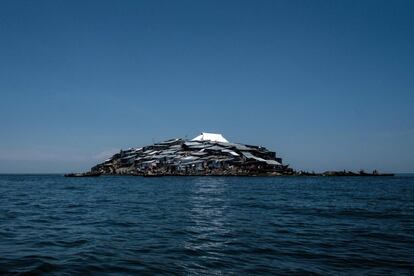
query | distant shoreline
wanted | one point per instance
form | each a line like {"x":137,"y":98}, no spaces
{"x":398,"y":174}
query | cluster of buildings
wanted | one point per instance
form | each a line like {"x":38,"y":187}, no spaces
{"x":206,"y":154}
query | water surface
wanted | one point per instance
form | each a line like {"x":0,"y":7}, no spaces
{"x":206,"y":225}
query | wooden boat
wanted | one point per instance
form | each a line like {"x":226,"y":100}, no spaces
{"x":150,"y":174}
{"x":87,"y":174}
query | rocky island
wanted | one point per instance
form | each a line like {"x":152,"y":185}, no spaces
{"x":206,"y":154}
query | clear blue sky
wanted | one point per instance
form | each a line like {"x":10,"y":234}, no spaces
{"x":326,"y":84}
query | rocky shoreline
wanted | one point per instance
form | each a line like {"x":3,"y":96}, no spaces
{"x":343,"y":173}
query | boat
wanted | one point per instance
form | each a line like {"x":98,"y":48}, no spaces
{"x":148,"y":174}
{"x":87,"y":174}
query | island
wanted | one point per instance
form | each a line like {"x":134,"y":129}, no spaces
{"x":208,"y":154}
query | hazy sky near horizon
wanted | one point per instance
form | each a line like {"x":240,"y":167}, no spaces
{"x":326,"y":84}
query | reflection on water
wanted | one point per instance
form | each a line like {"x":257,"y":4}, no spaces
{"x":208,"y":213}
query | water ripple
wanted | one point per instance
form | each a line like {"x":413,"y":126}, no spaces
{"x":210,"y":225}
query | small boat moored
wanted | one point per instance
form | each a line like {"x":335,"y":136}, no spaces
{"x":86,"y":174}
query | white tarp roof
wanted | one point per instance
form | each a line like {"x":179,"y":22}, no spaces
{"x":214,"y":137}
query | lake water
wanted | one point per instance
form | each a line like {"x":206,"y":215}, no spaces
{"x":54,"y":225}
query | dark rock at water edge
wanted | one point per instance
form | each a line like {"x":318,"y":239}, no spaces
{"x":343,"y":173}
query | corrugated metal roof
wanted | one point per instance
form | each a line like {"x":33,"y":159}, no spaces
{"x":235,"y":145}
{"x":128,"y":157}
{"x":273,"y":162}
{"x":251,"y":156}
{"x":215,"y":148}
{"x":247,"y":154}
{"x":269,"y":162}
{"x":168,"y":151}
{"x":231,"y":152}
{"x":175,"y":147}
{"x":188,"y":159}
{"x":201,"y":146}
{"x":190,"y":144}
{"x":241,"y":147}
{"x":199,"y":153}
